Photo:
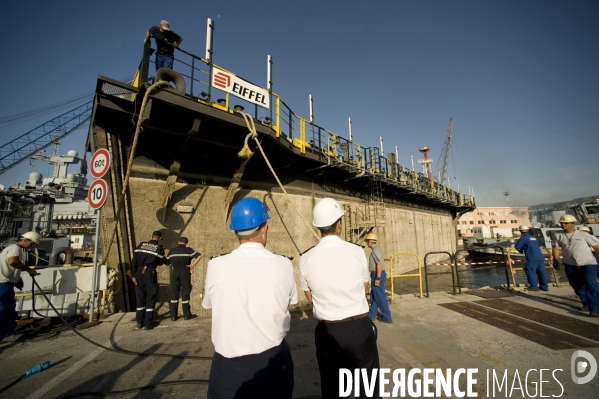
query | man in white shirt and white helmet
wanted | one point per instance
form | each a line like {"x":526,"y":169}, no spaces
{"x":334,"y":276}
{"x":249,"y":291}
{"x":579,"y":263}
{"x":11,"y":266}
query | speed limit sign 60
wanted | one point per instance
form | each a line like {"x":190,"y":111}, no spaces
{"x":99,"y":163}
{"x":96,"y":196}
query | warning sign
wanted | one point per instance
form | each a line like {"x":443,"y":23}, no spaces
{"x":96,"y":196}
{"x":99,"y":163}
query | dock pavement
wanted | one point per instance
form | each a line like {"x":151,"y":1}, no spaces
{"x":509,"y":335}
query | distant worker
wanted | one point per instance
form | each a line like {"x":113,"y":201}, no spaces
{"x":146,"y":257}
{"x":11,"y":266}
{"x":182,"y":259}
{"x":249,"y":291}
{"x":378,"y":299}
{"x":334,"y":276}
{"x":166,"y":41}
{"x":535,"y":261}
{"x":586,"y":229}
{"x":580,"y":264}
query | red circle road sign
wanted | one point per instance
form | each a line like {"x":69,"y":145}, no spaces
{"x":96,"y":196}
{"x":99,"y":163}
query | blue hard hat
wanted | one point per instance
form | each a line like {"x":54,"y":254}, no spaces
{"x":248,"y":213}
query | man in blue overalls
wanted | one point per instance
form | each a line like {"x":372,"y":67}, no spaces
{"x":535,"y":261}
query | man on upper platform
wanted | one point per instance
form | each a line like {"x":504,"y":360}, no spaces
{"x":166,"y":41}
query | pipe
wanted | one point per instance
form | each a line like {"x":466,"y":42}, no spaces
{"x":53,"y":260}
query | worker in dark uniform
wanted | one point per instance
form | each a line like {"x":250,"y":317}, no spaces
{"x":146,"y":257}
{"x":166,"y":42}
{"x":334,"y":277}
{"x":182,"y":259}
{"x":535,"y":261}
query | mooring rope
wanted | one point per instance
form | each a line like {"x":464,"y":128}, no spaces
{"x":246,"y":153}
{"x":130,"y":163}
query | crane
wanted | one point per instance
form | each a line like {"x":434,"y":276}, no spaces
{"x":443,"y":164}
{"x":30,"y":143}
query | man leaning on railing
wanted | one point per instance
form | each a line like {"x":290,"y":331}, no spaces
{"x":166,"y":41}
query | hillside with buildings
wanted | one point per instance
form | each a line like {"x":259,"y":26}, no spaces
{"x":563,"y":204}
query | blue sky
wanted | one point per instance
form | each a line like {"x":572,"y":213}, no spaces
{"x":520,"y":78}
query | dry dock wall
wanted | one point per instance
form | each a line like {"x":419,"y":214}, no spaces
{"x":406,"y":229}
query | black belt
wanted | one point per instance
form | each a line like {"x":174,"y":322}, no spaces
{"x":360,"y":316}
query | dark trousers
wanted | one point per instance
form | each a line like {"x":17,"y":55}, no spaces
{"x":146,"y":292}
{"x":180,"y":282}
{"x":8,"y":315}
{"x":534,"y":269}
{"x":378,"y":298}
{"x":583,"y":279}
{"x":266,"y":375}
{"x":348,"y":345}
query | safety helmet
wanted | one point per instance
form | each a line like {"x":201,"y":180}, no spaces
{"x":32,"y":236}
{"x":371,"y":237}
{"x":248,"y":213}
{"x":567,"y":219}
{"x":326,"y":212}
{"x":583,"y":228}
{"x":523,"y":228}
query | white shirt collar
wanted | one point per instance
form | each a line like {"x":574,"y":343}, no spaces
{"x":251,"y":245}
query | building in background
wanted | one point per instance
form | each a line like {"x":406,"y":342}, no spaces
{"x":490,"y":221}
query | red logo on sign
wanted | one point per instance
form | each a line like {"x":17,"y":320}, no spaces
{"x":222,"y":80}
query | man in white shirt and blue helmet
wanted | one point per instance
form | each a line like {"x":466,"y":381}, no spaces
{"x":249,"y":291}
{"x":334,"y":276}
{"x":11,"y":266}
{"x":579,"y":263}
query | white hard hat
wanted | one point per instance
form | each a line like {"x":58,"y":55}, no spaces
{"x":326,"y":212}
{"x":32,"y":236}
{"x":583,"y":228}
{"x":523,"y":228}
{"x":567,"y":219}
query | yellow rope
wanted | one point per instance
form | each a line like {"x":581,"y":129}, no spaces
{"x":130,"y":163}
{"x":246,"y":152}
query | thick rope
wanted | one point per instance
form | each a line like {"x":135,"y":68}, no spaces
{"x":246,"y":152}
{"x":130,"y":163}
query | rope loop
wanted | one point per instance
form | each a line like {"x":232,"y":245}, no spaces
{"x":249,"y":121}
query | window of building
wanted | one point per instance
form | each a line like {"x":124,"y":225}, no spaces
{"x":471,"y":222}
{"x":513,"y":221}
{"x":503,"y":221}
{"x":492,"y":221}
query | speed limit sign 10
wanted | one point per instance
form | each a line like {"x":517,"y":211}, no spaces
{"x":96,"y":196}
{"x":99,"y":163}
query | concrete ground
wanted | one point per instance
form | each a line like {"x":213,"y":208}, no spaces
{"x":438,"y":332}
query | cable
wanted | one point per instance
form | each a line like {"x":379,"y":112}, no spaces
{"x":138,"y":389}
{"x":123,"y":351}
{"x":48,"y":109}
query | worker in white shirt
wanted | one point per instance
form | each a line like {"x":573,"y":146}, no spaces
{"x":334,"y":276}
{"x":249,"y":291}
{"x":579,"y":263}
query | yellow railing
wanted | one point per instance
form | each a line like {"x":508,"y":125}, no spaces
{"x":394,"y":276}
{"x":513,"y":270}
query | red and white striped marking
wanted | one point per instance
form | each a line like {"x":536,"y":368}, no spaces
{"x":478,"y":263}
